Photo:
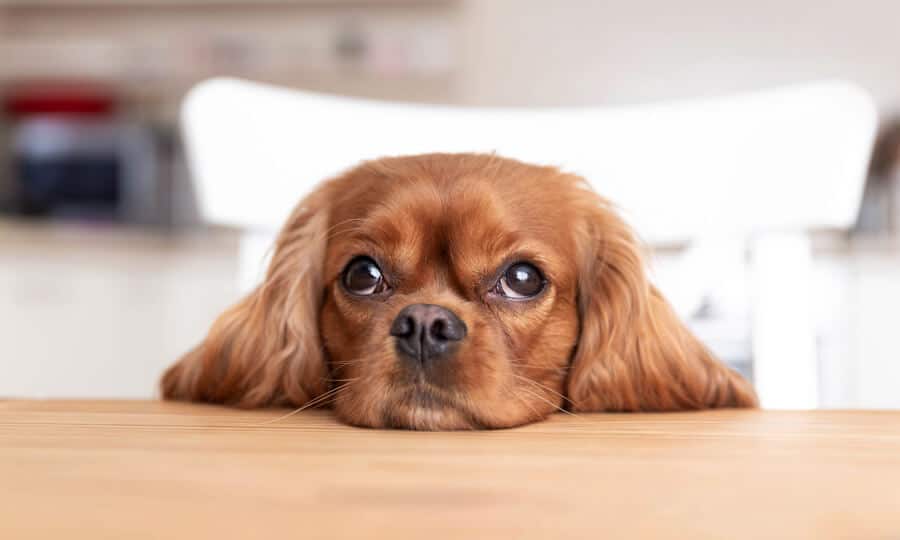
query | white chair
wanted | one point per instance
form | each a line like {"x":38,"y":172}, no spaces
{"x":759,"y":170}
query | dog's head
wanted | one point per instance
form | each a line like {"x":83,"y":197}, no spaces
{"x":455,"y":291}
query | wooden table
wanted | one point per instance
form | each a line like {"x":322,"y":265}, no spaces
{"x":79,"y":469}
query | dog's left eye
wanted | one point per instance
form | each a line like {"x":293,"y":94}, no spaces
{"x":520,"y":281}
{"x":363,"y":277}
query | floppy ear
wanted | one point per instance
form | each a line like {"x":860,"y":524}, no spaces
{"x":266,"y":350}
{"x":634,"y":354}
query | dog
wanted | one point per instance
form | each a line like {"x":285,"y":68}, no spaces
{"x":455,"y":291}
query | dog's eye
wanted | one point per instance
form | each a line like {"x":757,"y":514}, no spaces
{"x":363,"y":277}
{"x":521,"y":280}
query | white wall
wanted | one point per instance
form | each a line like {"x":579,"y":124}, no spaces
{"x":583,"y":51}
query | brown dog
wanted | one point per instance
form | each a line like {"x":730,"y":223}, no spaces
{"x":455,"y":292}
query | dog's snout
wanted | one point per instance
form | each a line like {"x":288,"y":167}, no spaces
{"x":426,"y":332}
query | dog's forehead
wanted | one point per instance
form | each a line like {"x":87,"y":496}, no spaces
{"x":468,"y":211}
{"x":471,"y":220}
{"x":518,"y":196}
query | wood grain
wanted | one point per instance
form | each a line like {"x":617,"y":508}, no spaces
{"x":120,"y":469}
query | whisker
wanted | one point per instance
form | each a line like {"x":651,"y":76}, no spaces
{"x":329,"y":394}
{"x":537,"y":415}
{"x":547,"y":401}
{"x":542,"y":386}
{"x":311,"y":403}
{"x":348,"y":362}
{"x":542,"y":368}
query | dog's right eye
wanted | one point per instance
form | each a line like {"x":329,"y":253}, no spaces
{"x":363,"y":277}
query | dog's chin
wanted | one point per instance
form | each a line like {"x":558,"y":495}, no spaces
{"x":417,"y":407}
{"x":426,"y":408}
{"x":422,"y":418}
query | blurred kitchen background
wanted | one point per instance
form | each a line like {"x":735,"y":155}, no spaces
{"x":107,"y":273}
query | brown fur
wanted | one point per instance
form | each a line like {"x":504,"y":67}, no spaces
{"x":599,"y":338}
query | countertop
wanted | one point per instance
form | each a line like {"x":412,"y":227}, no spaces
{"x":147,"y":469}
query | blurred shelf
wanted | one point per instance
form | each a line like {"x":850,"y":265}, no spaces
{"x":884,"y":243}
{"x":349,"y":47}
{"x":839,"y":244}
{"x":56,"y":237}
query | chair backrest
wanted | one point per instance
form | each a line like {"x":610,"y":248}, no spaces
{"x":788,"y":158}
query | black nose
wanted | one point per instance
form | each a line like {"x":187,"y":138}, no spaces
{"x":427,"y":332}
